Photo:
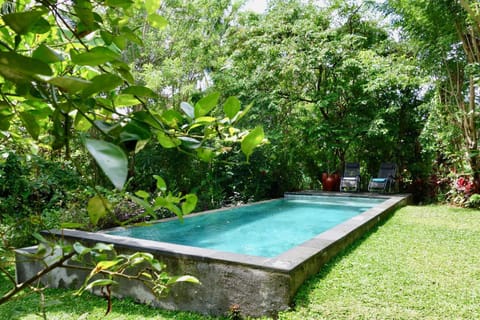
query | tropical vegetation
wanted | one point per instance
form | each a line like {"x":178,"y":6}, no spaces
{"x":113,"y":112}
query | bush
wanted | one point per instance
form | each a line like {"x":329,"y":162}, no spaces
{"x":474,"y":201}
{"x":33,"y":194}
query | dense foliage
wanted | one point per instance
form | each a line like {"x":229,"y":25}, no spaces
{"x":329,"y":86}
{"x":443,"y":38}
{"x":68,"y":95}
{"x":67,"y":88}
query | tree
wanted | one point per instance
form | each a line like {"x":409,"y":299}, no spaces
{"x":176,"y":61}
{"x":63,"y":76}
{"x":322,"y":81}
{"x":445,"y":34}
{"x":64,"y":69}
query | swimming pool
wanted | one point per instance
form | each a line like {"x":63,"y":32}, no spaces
{"x":259,"y":284}
{"x":264,"y":229}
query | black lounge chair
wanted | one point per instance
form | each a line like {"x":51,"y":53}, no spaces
{"x":351,"y":177}
{"x":385,"y":180}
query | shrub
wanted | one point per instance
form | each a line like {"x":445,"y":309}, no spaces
{"x":33,"y":192}
{"x":474,"y":201}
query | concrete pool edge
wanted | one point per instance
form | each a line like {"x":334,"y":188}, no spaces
{"x":260,"y":286}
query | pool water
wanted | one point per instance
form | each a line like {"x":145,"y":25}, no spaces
{"x":266,"y":229}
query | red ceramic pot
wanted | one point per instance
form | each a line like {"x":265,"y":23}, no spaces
{"x":330,"y":183}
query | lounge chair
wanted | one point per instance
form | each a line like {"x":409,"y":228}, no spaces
{"x":351,"y":177}
{"x":385,"y":180}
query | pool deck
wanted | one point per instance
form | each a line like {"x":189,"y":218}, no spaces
{"x":258,"y":285}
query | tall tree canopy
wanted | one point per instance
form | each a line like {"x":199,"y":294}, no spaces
{"x":445,"y":35}
{"x":329,"y":85}
{"x":65,"y":77}
{"x":63,"y":70}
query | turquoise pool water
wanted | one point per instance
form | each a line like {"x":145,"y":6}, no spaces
{"x":265,"y":229}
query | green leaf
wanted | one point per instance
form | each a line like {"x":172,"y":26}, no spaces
{"x":172,"y":118}
{"x":131,"y":35}
{"x":173,"y":208}
{"x":94,"y":57}
{"x":251,"y":141}
{"x":166,"y":141}
{"x":157,"y":265}
{"x":40,"y":26}
{"x":205,"y":154}
{"x":140,"y":145}
{"x":206,"y":104}
{"x":231,"y":107}
{"x":124,"y":4}
{"x":160,"y":202}
{"x":140,"y":257}
{"x":38,"y":108}
{"x":161,"y":184}
{"x":190,"y":203}
{"x":205,"y":119}
{"x":80,"y":249}
{"x":151,"y":6}
{"x":244,"y":112}
{"x":147,"y":275}
{"x":70,"y":84}
{"x":100,"y":283}
{"x":120,"y":42}
{"x":142,"y":203}
{"x":140,"y":91}
{"x":5,"y":116}
{"x":97,"y":208}
{"x":125,"y":100}
{"x":107,"y":37}
{"x":190,"y":143}
{"x":148,"y":118}
{"x":83,"y":9}
{"x":111,"y":159}
{"x":22,"y":22}
{"x":5,"y":122}
{"x":41,"y":250}
{"x":157,"y":21}
{"x":103,"y":83}
{"x":103,"y":102}
{"x":187,"y":109}
{"x":17,"y":67}
{"x":107,"y":264}
{"x":46,"y":54}
{"x":142,"y":194}
{"x":72,"y":225}
{"x":104,"y":127}
{"x":134,"y":131}
{"x":31,"y":124}
{"x":101,"y":247}
{"x":81,"y":123}
{"x":126,"y":74}
{"x":39,"y":237}
{"x":185,"y":278}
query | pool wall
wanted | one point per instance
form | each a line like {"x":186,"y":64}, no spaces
{"x":256,"y":285}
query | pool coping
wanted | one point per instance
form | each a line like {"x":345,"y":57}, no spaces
{"x":259,"y":286}
{"x":283,"y":263}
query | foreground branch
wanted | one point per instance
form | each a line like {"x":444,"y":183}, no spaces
{"x":19,"y":287}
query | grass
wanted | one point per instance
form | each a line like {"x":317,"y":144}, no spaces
{"x":423,"y":263}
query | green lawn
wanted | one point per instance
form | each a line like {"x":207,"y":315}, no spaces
{"x":423,"y":263}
